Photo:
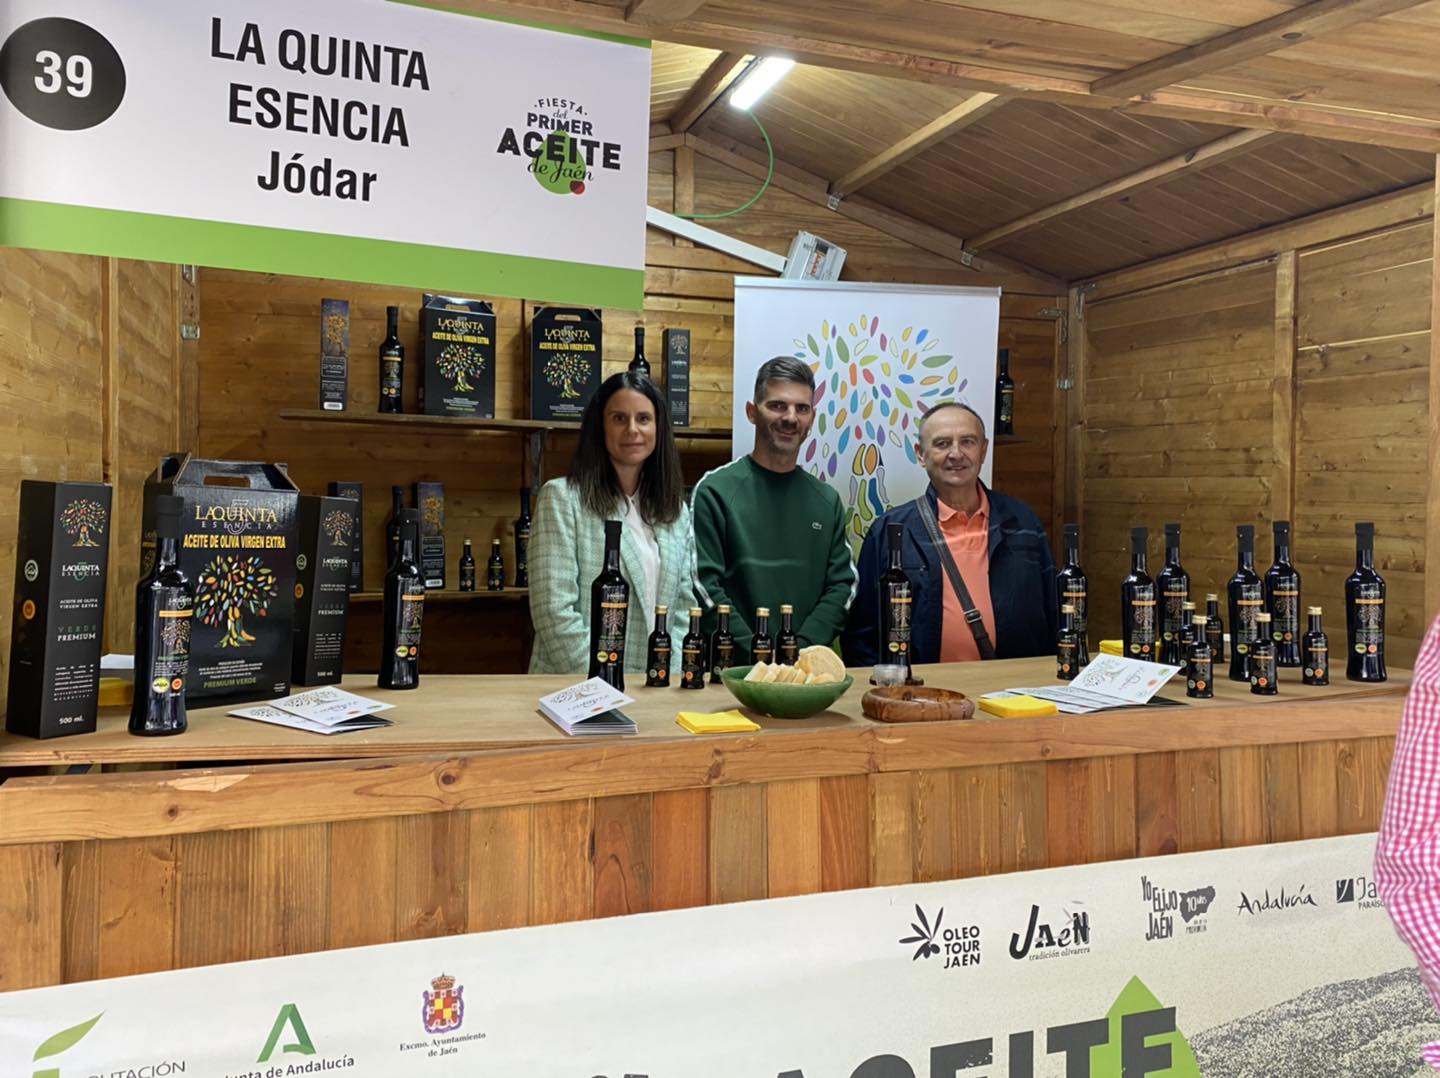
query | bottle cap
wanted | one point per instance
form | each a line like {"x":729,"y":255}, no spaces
{"x":1262,"y":616}
{"x":612,"y":531}
{"x":762,"y":611}
{"x":493,"y":542}
{"x":695,"y":612}
{"x":1314,"y":610}
{"x":1187,"y":605}
{"x":786,"y":608}
{"x":1068,"y":608}
{"x":1138,"y":538}
{"x":1365,"y":530}
{"x":1282,"y":527}
{"x":1245,"y":533}
{"x":410,"y":516}
{"x":894,"y":533}
{"x":662,"y":610}
{"x":1172,"y":531}
{"x":1072,"y":531}
{"x":722,"y":609}
{"x":1212,"y":597}
{"x":1198,"y":619}
{"x":168,"y":508}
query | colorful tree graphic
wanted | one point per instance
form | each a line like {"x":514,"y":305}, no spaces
{"x":81,"y":517}
{"x":230,"y":587}
{"x":564,"y":369}
{"x":175,"y":635}
{"x":432,"y":513}
{"x":458,"y":360}
{"x":871,"y":389}
{"x":338,"y":524}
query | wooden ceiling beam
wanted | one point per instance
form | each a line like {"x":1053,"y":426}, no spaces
{"x":661,"y":12}
{"x":1280,"y":31}
{"x":972,"y":110}
{"x":1009,"y":274}
{"x":708,"y":88}
{"x":1212,"y":153}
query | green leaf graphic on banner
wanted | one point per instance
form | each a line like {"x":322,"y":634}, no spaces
{"x":550,"y":174}
{"x":66,"y":1038}
{"x":936,"y":361}
{"x":1135,"y":998}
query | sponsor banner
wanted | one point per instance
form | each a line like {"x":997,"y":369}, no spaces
{"x":1271,"y":961}
{"x":882,"y":355}
{"x":358,"y":139}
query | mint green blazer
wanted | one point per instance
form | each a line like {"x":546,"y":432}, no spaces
{"x":567,"y":552}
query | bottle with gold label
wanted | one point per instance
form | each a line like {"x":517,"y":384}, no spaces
{"x":1315,"y":651}
{"x":762,"y":645}
{"x":657,"y":651}
{"x":693,"y":654}
{"x":896,"y":604}
{"x":1187,"y":632}
{"x":1066,"y":665}
{"x":1173,"y":585}
{"x":1214,"y":628}
{"x":1282,"y":599}
{"x":1247,"y":599}
{"x":787,"y":644}
{"x":404,"y":610}
{"x":1072,"y":587}
{"x":1264,"y":679}
{"x":1200,"y":665}
{"x":164,"y":607}
{"x":722,"y":644}
{"x":609,"y":614}
{"x":1137,"y":602}
{"x":1365,"y":612}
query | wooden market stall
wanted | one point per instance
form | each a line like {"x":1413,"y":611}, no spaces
{"x":1215,"y":234}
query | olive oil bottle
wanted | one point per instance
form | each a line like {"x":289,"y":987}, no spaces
{"x":1365,"y":612}
{"x":693,"y":654}
{"x":609,"y":612}
{"x":1246,"y":596}
{"x":1137,"y":602}
{"x":404,"y":610}
{"x":657,"y":651}
{"x":722,"y":645}
{"x":762,"y":645}
{"x":164,"y":608}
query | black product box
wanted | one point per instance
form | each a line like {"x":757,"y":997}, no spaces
{"x":334,"y":353}
{"x":677,"y":375}
{"x":457,"y":341}
{"x":60,"y":564}
{"x":322,"y":588}
{"x":430,"y":501}
{"x":356,"y":493}
{"x":237,"y":546}
{"x":565,"y":361}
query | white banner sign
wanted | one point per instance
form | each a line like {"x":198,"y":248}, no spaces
{"x":351,"y":138}
{"x":1273,"y":961}
{"x":882,"y":355}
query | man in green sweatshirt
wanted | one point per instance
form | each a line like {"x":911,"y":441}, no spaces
{"x":766,"y":531}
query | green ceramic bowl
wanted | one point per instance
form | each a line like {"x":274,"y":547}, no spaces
{"x":783,"y":701}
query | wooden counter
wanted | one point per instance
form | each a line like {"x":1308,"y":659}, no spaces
{"x":473,"y":813}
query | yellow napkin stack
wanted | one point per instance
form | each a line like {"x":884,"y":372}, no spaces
{"x":1017,"y":707}
{"x":1112,"y":647}
{"x":116,"y":692}
{"x":720,"y":722}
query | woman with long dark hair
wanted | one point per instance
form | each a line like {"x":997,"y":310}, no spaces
{"x":625,"y":468}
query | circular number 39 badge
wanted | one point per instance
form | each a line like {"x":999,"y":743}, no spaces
{"x":62,"y":74}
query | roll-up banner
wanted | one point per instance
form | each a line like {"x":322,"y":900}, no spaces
{"x":358,"y":139}
{"x":1268,"y":962}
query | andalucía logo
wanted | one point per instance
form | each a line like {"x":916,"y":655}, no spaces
{"x":1164,"y":904}
{"x":1360,"y":890}
{"x":296,"y":1040}
{"x":1268,"y":901}
{"x":62,"y":1042}
{"x":444,"y":1009}
{"x":1044,"y":940}
{"x":564,"y":150}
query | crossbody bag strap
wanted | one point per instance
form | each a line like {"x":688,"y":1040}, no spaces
{"x":973,"y":617}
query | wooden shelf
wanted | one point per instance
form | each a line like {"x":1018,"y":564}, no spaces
{"x":450,"y":596}
{"x":457,"y":425}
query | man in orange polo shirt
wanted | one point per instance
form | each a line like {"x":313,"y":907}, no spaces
{"x":997,"y":544}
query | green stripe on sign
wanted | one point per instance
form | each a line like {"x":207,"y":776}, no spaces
{"x":82,"y":230}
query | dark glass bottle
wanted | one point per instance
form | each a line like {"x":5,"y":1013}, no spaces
{"x":638,"y":363}
{"x":1214,"y":628}
{"x":404,"y":610}
{"x":693,"y":653}
{"x":722,"y":644}
{"x":164,"y":607}
{"x":495,"y":568}
{"x":1200,"y":665}
{"x":1282,"y":599}
{"x":1065,"y":645}
{"x":1316,"y":652}
{"x":762,"y":647}
{"x":1365,"y":612}
{"x":1187,"y":631}
{"x":1173,"y":585}
{"x":1137,"y":602}
{"x":657,"y":651}
{"x":1246,"y":596}
{"x":467,"y":568}
{"x":1004,"y":396}
{"x":787,"y":644}
{"x":1072,"y":588}
{"x":522,"y":541}
{"x":392,"y":526}
{"x":609,"y":611}
{"x":1264,"y":679}
{"x":896,"y":603}
{"x":392,"y":365}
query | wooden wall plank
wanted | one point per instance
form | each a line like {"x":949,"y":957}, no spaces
{"x":1068,"y":812}
{"x":289,"y":902}
{"x":1432,"y":499}
{"x":31,"y":910}
{"x":1022,"y":816}
{"x":1112,"y":808}
{"x":738,"y":853}
{"x":80,"y":873}
{"x":892,"y":838}
{"x":933,"y":827}
{"x":137,"y":920}
{"x":216,"y":879}
{"x":561,"y":874}
{"x":432,"y":859}
{"x":1282,"y":393}
{"x":363,"y":887}
{"x":498,"y":892}
{"x":844,"y":832}
{"x":1157,"y":804}
{"x":1319,"y":789}
{"x":681,"y":839}
{"x":1197,"y":785}
{"x":623,"y":855}
{"x":976,"y":820}
{"x":1242,"y":796}
{"x":1280,"y":774}
{"x":792,"y":838}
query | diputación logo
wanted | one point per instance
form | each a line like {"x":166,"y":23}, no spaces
{"x":61,"y":1042}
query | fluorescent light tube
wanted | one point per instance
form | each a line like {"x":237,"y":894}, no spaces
{"x":757,"y":81}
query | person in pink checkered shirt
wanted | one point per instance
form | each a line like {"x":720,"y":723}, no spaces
{"x":1407,"y":856}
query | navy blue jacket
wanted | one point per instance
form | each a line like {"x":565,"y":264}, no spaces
{"x":1022,"y":585}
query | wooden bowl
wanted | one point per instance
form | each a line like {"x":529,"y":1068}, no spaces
{"x":911,"y":703}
